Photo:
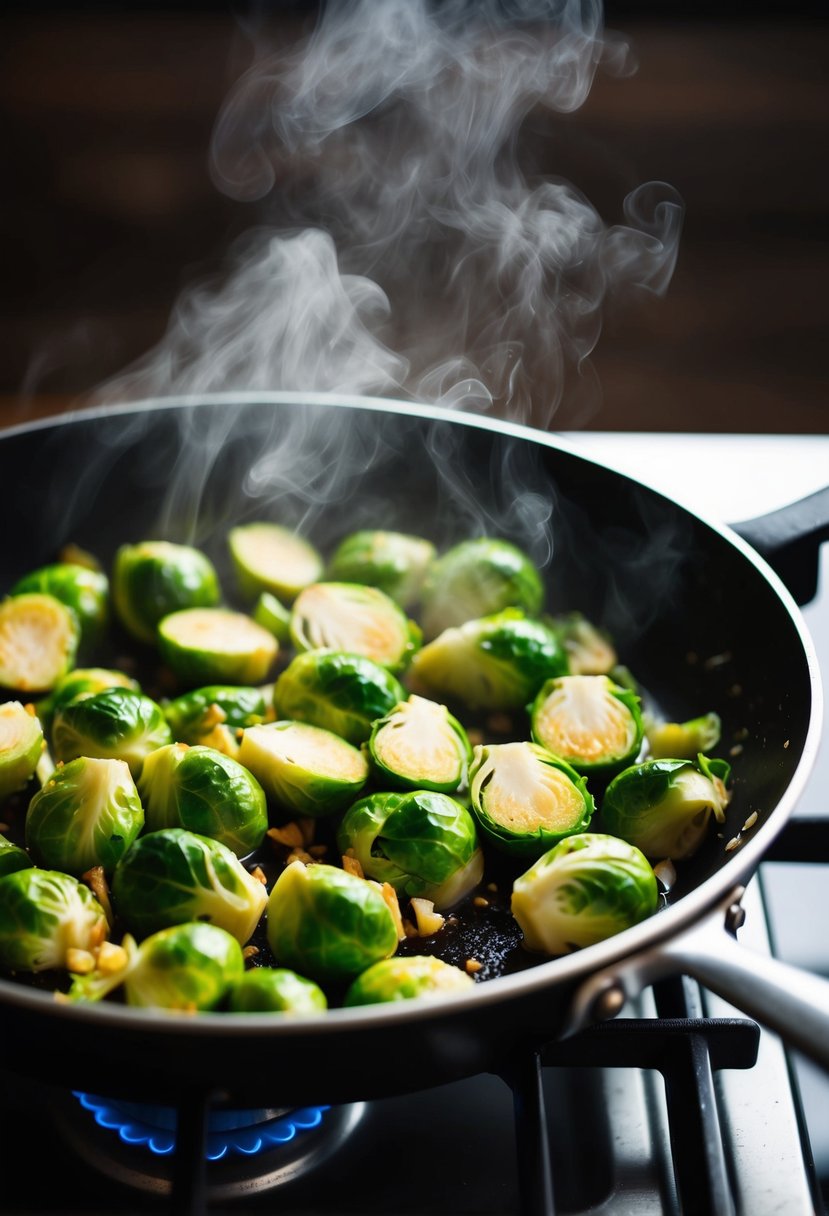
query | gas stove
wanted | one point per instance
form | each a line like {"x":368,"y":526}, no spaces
{"x":680,"y":1104}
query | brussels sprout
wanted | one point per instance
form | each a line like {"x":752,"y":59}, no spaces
{"x":396,"y":562}
{"x":663,"y":806}
{"x":353,"y":618}
{"x":173,"y":875}
{"x":683,"y":740}
{"x":81,"y":682}
{"x":83,"y":590}
{"x":525,"y":799}
{"x":118,"y":724}
{"x":269,"y":557}
{"x":478,"y":578}
{"x":43,"y":915}
{"x":271,"y":614}
{"x":275,"y":990}
{"x":304,"y":768}
{"x":12,"y":857}
{"x":343,"y":693}
{"x":204,"y":791}
{"x":498,"y":662}
{"x":87,"y":814}
{"x":328,"y":924}
{"x":420,"y":746}
{"x":21,"y":746}
{"x":422,"y":843}
{"x":188,"y":967}
{"x":216,"y":715}
{"x":589,"y":721}
{"x":585,"y":889}
{"x":154,"y":578}
{"x":402,"y":979}
{"x":590,"y":650}
{"x":214,"y":646}
{"x":39,"y":639}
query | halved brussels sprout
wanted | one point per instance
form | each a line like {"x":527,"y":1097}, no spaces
{"x":590,"y":650}
{"x":328,"y":924}
{"x":356,"y":619}
{"x":216,"y":715}
{"x":422,"y":843}
{"x":205,"y":791}
{"x":43,"y":915}
{"x":476,"y":578}
{"x":525,"y":799}
{"x":420,"y":746}
{"x":81,"y":682}
{"x":403,"y":978}
{"x":21,"y":746}
{"x":215,"y":646}
{"x":189,"y":967}
{"x":118,"y":724}
{"x":497,"y":662}
{"x":275,"y":990}
{"x":87,"y":814}
{"x":589,"y":721}
{"x":154,"y":578}
{"x":343,"y":693}
{"x":396,"y":562}
{"x":12,"y":857}
{"x":39,"y":639}
{"x":271,"y":614}
{"x":683,"y":740}
{"x":304,"y":768}
{"x":584,"y":890}
{"x":83,"y":590}
{"x":270,"y":557}
{"x":664,"y":806}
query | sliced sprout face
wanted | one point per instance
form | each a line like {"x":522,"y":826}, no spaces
{"x":477,"y":578}
{"x":354,"y":618}
{"x":172,"y":875}
{"x":154,"y":578}
{"x":205,"y":791}
{"x":269,"y":557}
{"x":216,"y":646}
{"x":404,"y":978}
{"x":341,"y":692}
{"x":83,"y":590}
{"x":87,"y":814}
{"x":396,"y":562}
{"x":586,"y":889}
{"x":12,"y":857}
{"x":590,"y":650}
{"x":39,"y":638}
{"x":21,"y":746}
{"x":589,"y":721}
{"x":524,"y":799}
{"x":664,"y":806}
{"x":304,"y":768}
{"x":188,"y":967}
{"x":328,"y":924}
{"x":118,"y":724}
{"x":275,"y":990}
{"x":683,"y":740}
{"x":420,"y":745}
{"x":43,"y":915}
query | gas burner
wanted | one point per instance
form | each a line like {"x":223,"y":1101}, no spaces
{"x":247,"y":1152}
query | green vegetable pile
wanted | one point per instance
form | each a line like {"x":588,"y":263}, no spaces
{"x":320,"y":781}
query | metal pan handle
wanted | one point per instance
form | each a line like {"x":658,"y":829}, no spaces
{"x":789,"y":540}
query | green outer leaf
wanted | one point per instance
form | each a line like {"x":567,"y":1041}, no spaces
{"x":476,"y":578}
{"x":12,"y":857}
{"x":188,"y":966}
{"x":152,"y":579}
{"x":341,"y":692}
{"x":275,"y":990}
{"x":81,"y":682}
{"x":43,"y":914}
{"x":404,"y":978}
{"x":117,"y":723}
{"x":647,"y":805}
{"x":398,"y":719}
{"x":396,"y":562}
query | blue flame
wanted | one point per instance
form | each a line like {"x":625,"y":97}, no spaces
{"x":243,"y":1132}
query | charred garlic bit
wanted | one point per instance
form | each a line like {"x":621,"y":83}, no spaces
{"x":216,"y":715}
{"x":205,"y":791}
{"x":422,"y":843}
{"x":590,"y":650}
{"x":83,"y":590}
{"x":420,"y":745}
{"x":341,"y":692}
{"x":187,"y":967}
{"x":80,"y":682}
{"x":664,"y":806}
{"x":216,"y":645}
{"x":21,"y":746}
{"x":270,"y":557}
{"x":39,"y":639}
{"x":525,"y":799}
{"x":327,"y":924}
{"x":12,"y":857}
{"x":275,"y":990}
{"x":683,"y":740}
{"x":87,"y":814}
{"x":404,"y":978}
{"x":396,"y":562}
{"x":118,"y":724}
{"x":496,"y":662}
{"x":154,"y":578}
{"x":354,"y":618}
{"x":586,"y":889}
{"x":43,"y":915}
{"x":303,"y":768}
{"x":477,"y":578}
{"x":172,"y":875}
{"x":589,"y":721}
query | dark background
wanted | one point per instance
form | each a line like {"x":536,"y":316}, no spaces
{"x":108,"y":209}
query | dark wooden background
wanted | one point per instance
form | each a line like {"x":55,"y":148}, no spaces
{"x":108,"y":210}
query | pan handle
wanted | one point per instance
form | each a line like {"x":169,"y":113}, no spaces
{"x":790,"y":538}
